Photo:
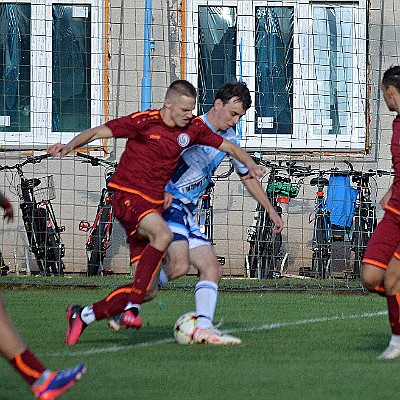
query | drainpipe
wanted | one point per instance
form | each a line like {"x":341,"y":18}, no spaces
{"x":146,"y":79}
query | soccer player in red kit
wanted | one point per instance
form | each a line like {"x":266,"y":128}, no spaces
{"x":381,"y":261}
{"x":45,"y":383}
{"x":155,"y":140}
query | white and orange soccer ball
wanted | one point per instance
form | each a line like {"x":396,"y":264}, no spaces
{"x":184,"y":328}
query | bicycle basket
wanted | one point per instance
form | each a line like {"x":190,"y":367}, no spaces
{"x":44,"y":191}
{"x":284,"y":189}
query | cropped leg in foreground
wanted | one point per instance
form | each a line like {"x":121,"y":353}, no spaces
{"x":126,"y":299}
{"x":381,"y":273}
{"x":45,"y":384}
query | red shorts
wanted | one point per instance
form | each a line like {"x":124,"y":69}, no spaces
{"x":130,"y":209}
{"x":385,"y":241}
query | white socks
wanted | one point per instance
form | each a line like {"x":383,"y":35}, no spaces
{"x":205,"y":294}
{"x":87,"y":315}
{"x":163,"y":278}
{"x":395,"y":340}
{"x":131,"y":305}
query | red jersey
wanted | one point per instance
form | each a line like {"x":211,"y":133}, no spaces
{"x":394,"y":202}
{"x":153,"y":149}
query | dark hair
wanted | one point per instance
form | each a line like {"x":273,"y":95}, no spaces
{"x":181,"y":87}
{"x":392,"y":77}
{"x":234,"y":89}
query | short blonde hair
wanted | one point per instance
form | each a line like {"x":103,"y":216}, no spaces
{"x":181,"y":87}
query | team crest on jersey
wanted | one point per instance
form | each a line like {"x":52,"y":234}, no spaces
{"x":183,"y":139}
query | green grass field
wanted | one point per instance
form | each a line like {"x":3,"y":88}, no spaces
{"x":309,"y":345}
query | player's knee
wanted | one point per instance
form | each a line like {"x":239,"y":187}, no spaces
{"x":214,"y":274}
{"x":218,"y":272}
{"x":162,"y":239}
{"x":370,"y":278}
{"x":211,"y":272}
{"x":178,"y":269}
{"x":151,"y":294}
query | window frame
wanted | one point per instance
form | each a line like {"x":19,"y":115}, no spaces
{"x":302,"y":138}
{"x":41,"y":134}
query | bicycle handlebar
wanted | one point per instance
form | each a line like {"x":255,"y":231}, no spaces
{"x":96,"y":161}
{"x":225,"y":174}
{"x":28,"y":160}
{"x":290,"y":167}
{"x":351,"y":172}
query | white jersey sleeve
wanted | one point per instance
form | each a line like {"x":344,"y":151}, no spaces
{"x":196,"y":168}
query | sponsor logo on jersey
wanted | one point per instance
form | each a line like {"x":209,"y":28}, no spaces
{"x":194,"y":185}
{"x":183,"y":139}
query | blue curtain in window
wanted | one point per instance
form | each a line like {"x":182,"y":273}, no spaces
{"x":15,"y":65}
{"x":333,"y":52}
{"x":274,"y":69}
{"x":217,"y":52}
{"x":71,"y":70}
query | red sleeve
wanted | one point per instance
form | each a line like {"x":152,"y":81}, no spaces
{"x":204,"y":135}
{"x":123,"y":127}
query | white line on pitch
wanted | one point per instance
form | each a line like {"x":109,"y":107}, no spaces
{"x":265,"y":327}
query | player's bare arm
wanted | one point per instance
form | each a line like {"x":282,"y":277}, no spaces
{"x":168,"y":197}
{"x":255,"y":171}
{"x":385,"y":199}
{"x":87,"y":136}
{"x":256,"y":190}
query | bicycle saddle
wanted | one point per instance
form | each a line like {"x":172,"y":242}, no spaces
{"x":319,"y":181}
{"x":31,"y":183}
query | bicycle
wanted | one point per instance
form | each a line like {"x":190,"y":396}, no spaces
{"x":328,"y":239}
{"x":265,"y":258}
{"x":3,"y":267}
{"x":365,"y":219}
{"x":42,"y":229}
{"x":99,"y":232}
{"x":205,"y":213}
{"x":321,"y":249}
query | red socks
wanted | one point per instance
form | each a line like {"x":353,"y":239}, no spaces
{"x":144,"y":274}
{"x":134,"y":292}
{"x":28,"y":366}
{"x":394,"y":312}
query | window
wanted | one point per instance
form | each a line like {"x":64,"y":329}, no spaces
{"x":15,"y":67}
{"x":216,"y":52}
{"x":304,"y":63}
{"x":50,"y":71}
{"x":71,"y":68}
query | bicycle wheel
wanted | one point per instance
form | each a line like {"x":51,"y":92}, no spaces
{"x":53,"y":253}
{"x":49,"y":247}
{"x":265,"y":250}
{"x":96,"y":248}
{"x":3,"y":267}
{"x":256,"y":247}
{"x":35,"y":225}
{"x":252,"y":259}
{"x":95,"y":257}
{"x":357,"y":242}
{"x":320,"y":255}
{"x":271,"y":255}
{"x":364,"y":225}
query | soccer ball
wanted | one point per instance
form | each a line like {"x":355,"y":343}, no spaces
{"x":184,"y":328}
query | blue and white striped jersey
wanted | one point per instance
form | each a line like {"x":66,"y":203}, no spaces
{"x":197,"y":166}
